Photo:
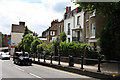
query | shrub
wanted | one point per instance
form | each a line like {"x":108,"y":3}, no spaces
{"x":48,"y":48}
{"x":74,"y":49}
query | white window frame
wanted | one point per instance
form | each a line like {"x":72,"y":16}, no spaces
{"x":52,"y":33}
{"x":93,"y":28}
{"x":87,"y":31}
{"x":78,"y":20}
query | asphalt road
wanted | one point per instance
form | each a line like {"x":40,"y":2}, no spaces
{"x":10,"y":71}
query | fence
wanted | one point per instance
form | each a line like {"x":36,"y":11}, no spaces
{"x":71,"y":60}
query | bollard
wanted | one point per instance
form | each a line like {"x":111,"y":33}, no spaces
{"x":82,"y":62}
{"x":38,"y":57}
{"x":71,"y":63}
{"x":44,"y":58}
{"x":59,"y":59}
{"x":51,"y":59}
{"x":99,"y":60}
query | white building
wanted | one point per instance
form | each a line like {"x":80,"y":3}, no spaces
{"x":16,"y":35}
{"x":74,"y":25}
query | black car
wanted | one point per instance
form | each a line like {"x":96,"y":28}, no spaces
{"x":22,"y":59}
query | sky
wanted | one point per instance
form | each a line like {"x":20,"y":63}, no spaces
{"x":37,"y":14}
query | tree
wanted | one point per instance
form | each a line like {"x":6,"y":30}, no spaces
{"x":20,"y":46}
{"x":26,"y":31}
{"x":63,"y":36}
{"x":34,"y":44}
{"x":27,"y":40}
{"x":56,"y":46}
{"x":40,"y":48}
{"x":110,"y":35}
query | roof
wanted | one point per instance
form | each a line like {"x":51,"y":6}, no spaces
{"x":54,"y":27}
{"x":17,"y":28}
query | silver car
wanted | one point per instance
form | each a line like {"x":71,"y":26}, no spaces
{"x":4,"y":55}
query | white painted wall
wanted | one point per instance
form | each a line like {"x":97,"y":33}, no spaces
{"x":66,"y":22}
{"x":81,"y":14}
{"x":54,"y":38}
{"x":16,"y":38}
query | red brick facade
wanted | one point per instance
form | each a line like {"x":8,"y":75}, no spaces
{"x":6,"y":39}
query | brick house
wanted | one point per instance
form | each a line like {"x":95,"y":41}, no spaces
{"x":6,"y":39}
{"x":52,"y":32}
{"x":45,"y":34}
{"x":93,"y":25}
{"x":1,"y":42}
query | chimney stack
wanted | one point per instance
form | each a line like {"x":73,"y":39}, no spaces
{"x":22,"y":23}
{"x":68,"y":9}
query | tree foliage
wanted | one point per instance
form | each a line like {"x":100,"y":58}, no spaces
{"x":74,"y":49}
{"x":110,"y":35}
{"x":26,"y":31}
{"x":34,"y":44}
{"x":20,"y":46}
{"x":48,"y":48}
{"x":103,"y":8}
{"x":63,"y":36}
{"x":40,"y":48}
{"x":27,"y":40}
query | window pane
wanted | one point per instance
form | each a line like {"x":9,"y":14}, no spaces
{"x":93,"y":29}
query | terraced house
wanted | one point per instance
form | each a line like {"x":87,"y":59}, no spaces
{"x":74,"y":24}
{"x":82,"y":26}
{"x":93,"y":25}
{"x":54,"y":31}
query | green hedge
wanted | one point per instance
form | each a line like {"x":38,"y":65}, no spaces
{"x":74,"y":49}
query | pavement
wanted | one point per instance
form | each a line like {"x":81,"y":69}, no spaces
{"x":10,"y":71}
{"x":88,"y":70}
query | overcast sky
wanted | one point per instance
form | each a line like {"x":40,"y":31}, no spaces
{"x":37,"y":14}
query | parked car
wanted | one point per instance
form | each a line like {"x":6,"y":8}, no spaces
{"x":5,"y":55}
{"x":22,"y":59}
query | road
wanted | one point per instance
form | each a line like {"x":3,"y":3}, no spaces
{"x":9,"y":70}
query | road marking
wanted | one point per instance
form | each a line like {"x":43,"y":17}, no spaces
{"x":35,"y":75}
{"x":63,"y":71}
{"x":19,"y":68}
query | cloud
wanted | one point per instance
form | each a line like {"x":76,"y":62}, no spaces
{"x":37,"y":14}
{"x":59,"y":7}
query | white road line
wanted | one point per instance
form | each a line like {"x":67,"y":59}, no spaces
{"x":35,"y":75}
{"x":19,"y":68}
